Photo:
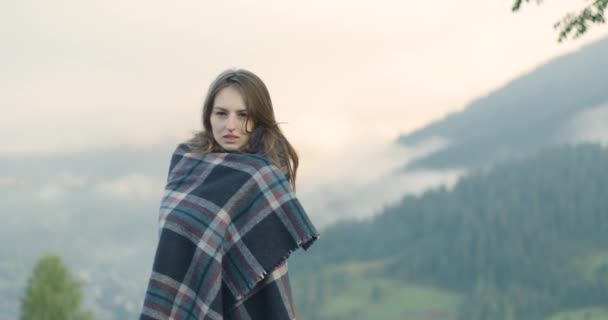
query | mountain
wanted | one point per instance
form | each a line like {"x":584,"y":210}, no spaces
{"x":524,"y":240}
{"x":526,"y":114}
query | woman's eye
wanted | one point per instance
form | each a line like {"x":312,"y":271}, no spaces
{"x":243,"y":115}
{"x":220,"y":113}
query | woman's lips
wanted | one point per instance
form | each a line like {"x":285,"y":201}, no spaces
{"x":230,"y":138}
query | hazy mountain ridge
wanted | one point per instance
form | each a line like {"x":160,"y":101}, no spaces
{"x":520,"y":117}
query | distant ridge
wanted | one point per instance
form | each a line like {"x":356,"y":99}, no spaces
{"x":521,"y":117}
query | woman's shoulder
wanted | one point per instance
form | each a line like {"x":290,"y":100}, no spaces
{"x":256,"y":160}
{"x":182,"y":148}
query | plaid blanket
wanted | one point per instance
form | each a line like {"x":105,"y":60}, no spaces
{"x":228,"y":222}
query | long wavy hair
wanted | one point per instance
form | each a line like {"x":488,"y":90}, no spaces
{"x":266,"y":138}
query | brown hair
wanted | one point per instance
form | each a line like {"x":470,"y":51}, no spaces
{"x":266,"y":137}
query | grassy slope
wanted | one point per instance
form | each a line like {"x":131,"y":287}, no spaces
{"x":364,"y":292}
{"x":377,"y":298}
{"x":589,"y":266}
{"x":582,"y":314}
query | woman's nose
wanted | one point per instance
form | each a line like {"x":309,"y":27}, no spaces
{"x":231,"y":123}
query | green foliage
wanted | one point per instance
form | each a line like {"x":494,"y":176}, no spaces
{"x":592,"y":14}
{"x":518,"y":4}
{"x":52,"y":293}
{"x":577,"y":23}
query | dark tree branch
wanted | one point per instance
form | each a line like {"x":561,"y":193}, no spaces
{"x":580,"y":23}
{"x":572,"y":24}
{"x":518,"y":4}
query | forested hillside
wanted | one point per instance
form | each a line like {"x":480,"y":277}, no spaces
{"x":523,"y":241}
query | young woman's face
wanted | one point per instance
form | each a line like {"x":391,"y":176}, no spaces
{"x":228,"y":118}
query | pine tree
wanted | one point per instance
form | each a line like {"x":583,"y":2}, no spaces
{"x":52,"y":293}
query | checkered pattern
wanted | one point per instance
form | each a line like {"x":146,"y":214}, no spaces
{"x":228,"y":222}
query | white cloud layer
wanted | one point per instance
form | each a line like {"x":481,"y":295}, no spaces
{"x":8,"y":182}
{"x":589,"y":126}
{"x":359,"y":182}
{"x":132,"y":186}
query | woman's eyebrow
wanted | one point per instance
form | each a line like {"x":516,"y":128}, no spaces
{"x":224,"y":109}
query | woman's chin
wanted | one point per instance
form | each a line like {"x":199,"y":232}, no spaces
{"x":231,"y":147}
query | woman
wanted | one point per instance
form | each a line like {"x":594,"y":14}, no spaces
{"x":229,"y":218}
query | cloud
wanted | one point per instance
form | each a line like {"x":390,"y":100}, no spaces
{"x":71,"y":180}
{"x":51,"y":193}
{"x":9,"y":182}
{"x":331,"y":203}
{"x":58,"y":187}
{"x":358,"y":181}
{"x":131,"y":186}
{"x":588,"y":126}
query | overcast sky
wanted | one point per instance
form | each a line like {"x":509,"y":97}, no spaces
{"x":345,"y":76}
